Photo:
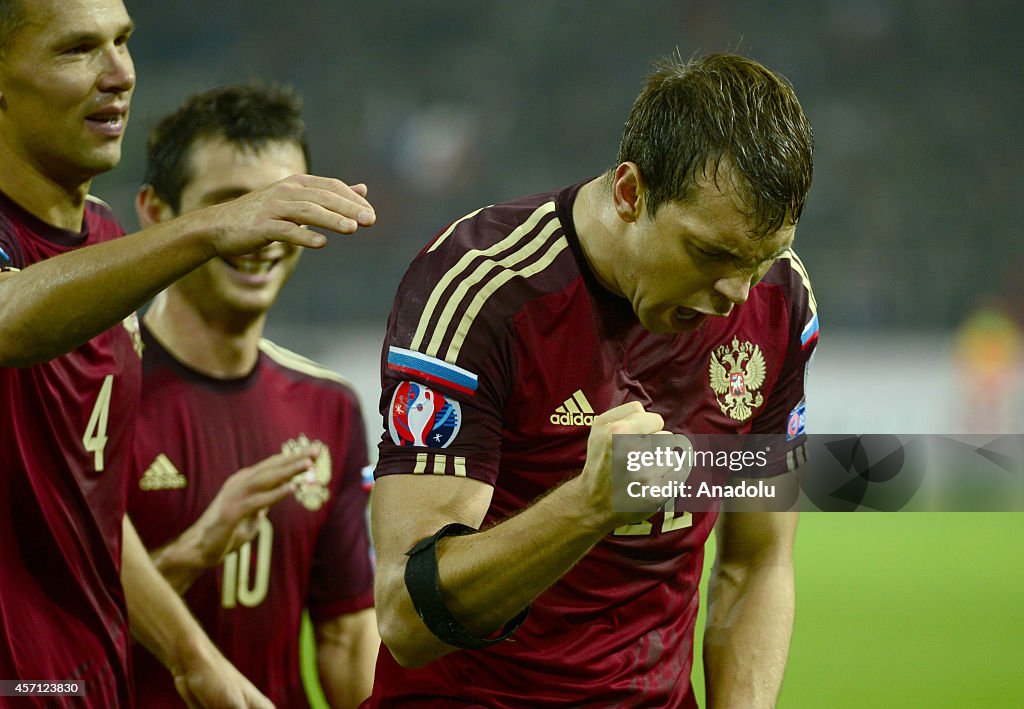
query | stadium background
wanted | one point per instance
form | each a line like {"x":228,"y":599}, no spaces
{"x":912,"y":237}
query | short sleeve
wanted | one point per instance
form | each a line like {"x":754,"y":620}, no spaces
{"x":446,"y":370}
{"x":342,"y":572}
{"x":785,"y":411}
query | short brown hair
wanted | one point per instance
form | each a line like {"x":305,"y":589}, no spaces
{"x":248,"y":116}
{"x":722,"y":108}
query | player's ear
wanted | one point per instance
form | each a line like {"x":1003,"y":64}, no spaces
{"x":627,"y":191}
{"x":150,"y":208}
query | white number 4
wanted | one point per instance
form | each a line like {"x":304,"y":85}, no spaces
{"x":95,"y":438}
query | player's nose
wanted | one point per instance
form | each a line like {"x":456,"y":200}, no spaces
{"x":118,"y":70}
{"x":735,"y":289}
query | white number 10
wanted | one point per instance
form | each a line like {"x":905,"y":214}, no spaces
{"x":237,"y":585}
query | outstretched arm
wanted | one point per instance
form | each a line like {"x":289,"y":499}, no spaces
{"x":53,"y":306}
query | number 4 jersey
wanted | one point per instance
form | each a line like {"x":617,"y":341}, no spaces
{"x":501,"y":349}
{"x":312,"y":549}
{"x":65,"y":445}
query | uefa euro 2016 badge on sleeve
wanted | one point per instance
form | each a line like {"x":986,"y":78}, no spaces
{"x":421,"y":416}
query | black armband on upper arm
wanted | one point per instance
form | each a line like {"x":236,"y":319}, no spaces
{"x":421,"y":579}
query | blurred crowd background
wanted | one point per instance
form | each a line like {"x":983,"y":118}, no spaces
{"x":914,"y":222}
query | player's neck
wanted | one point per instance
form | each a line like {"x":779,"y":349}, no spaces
{"x":216,"y":347}
{"x":57,"y":204}
{"x":594,"y":216}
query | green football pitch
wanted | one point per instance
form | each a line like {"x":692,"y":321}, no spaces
{"x":904,"y":610}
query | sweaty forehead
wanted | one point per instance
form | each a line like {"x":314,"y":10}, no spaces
{"x":773,"y":245}
{"x":716,"y":214}
{"x":59,"y":18}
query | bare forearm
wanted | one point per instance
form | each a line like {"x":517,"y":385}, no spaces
{"x":232,"y":518}
{"x":84,"y":292}
{"x":159,"y":619}
{"x":346,"y":654}
{"x":345,"y":680}
{"x":161,"y":622}
{"x":749,"y":626}
{"x":53,"y":306}
{"x":182,"y":561}
{"x":488,"y":577}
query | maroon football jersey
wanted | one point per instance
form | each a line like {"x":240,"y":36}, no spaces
{"x":65,"y":446}
{"x":312,"y":550}
{"x":501,"y":349}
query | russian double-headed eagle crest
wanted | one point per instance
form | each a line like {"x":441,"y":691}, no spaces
{"x":311,"y":488}
{"x":737,"y":371}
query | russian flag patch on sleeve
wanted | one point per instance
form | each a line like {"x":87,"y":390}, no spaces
{"x":810,"y":332}
{"x":431,"y":369}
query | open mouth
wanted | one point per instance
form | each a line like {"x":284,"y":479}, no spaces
{"x":251,"y":267}
{"x":114,"y":120}
{"x":688,"y":319}
{"x":689,"y":314}
{"x":108,"y":120}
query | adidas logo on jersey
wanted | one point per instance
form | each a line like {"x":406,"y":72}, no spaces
{"x":162,"y":475}
{"x":574,"y":411}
